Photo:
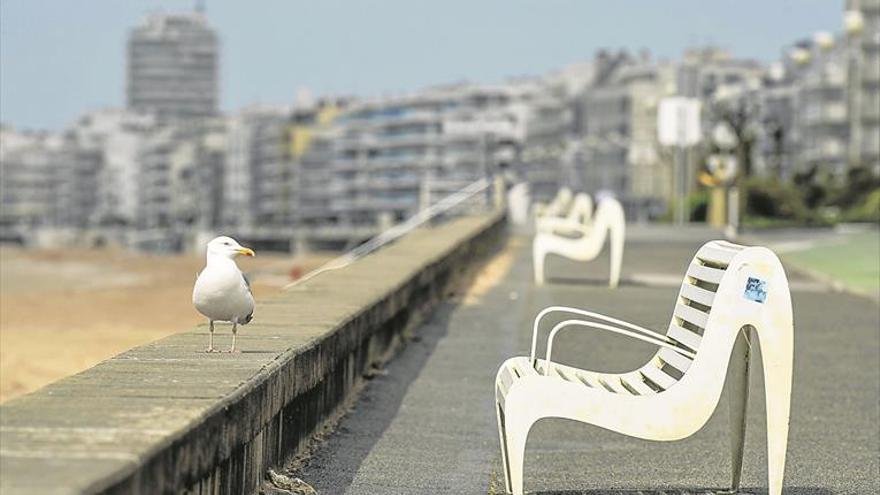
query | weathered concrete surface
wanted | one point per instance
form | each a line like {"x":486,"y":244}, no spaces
{"x":167,"y":417}
{"x":428,"y":426}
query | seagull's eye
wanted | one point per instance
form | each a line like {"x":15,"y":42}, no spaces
{"x":227,"y":244}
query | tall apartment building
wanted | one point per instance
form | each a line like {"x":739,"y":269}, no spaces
{"x":548,"y":120}
{"x":774,"y":153}
{"x":118,"y":135}
{"x":180,"y":183}
{"x":76,"y":183}
{"x":206,"y":181}
{"x":312,"y":138}
{"x":154,"y":179}
{"x":862,"y":30}
{"x":821,"y":112}
{"x":702,"y":71}
{"x":619,"y":137}
{"x":257,"y":180}
{"x":173,"y":67}
{"x":607,"y":128}
{"x":820,"y":107}
{"x":618,"y":151}
{"x":48,"y":181}
{"x":389,"y":150}
{"x":27,"y":165}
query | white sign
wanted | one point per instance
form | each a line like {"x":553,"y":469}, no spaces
{"x":678,"y":121}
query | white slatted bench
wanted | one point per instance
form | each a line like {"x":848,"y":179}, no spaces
{"x":589,"y":237}
{"x":731,"y":297}
{"x":579,"y":215}
{"x":557,"y":207}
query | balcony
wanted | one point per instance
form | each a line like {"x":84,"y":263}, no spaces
{"x":829,"y":113}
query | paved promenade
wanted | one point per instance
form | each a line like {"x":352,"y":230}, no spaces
{"x":428,"y":424}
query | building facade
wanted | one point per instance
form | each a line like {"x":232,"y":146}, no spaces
{"x":173,"y":67}
{"x":118,"y":134}
{"x":27,"y":181}
{"x":823,"y":127}
{"x":388,"y":151}
{"x":621,"y":155}
{"x":862,"y":31}
{"x":312,"y":140}
{"x":256,"y":184}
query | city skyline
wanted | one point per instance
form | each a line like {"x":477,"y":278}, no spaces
{"x":365,"y":50}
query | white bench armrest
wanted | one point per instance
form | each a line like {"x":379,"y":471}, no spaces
{"x":609,"y":328}
{"x":589,"y":314}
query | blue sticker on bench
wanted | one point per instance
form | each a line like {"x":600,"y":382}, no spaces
{"x":756,"y":290}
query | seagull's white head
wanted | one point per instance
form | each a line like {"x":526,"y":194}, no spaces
{"x":227,"y":247}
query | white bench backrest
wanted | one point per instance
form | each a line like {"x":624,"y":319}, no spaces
{"x":698,"y":290}
{"x":581,"y":210}
{"x":690,"y":317}
{"x":561,"y":202}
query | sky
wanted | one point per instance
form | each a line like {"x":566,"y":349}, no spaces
{"x":60,"y":58}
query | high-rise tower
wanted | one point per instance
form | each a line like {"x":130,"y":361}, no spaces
{"x":173,"y":66}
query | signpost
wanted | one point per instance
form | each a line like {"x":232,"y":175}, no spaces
{"x":678,"y":126}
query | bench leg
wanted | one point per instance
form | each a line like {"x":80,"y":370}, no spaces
{"x":617,"y":235}
{"x":499,"y":412}
{"x":738,"y":390}
{"x":539,"y":255}
{"x":777,"y":348}
{"x":516,"y":431}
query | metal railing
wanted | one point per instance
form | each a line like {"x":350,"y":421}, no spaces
{"x":425,"y":215}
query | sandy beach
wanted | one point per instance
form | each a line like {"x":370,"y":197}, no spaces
{"x":62,"y":311}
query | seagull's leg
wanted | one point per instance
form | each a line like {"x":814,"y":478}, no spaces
{"x":234,"y":330}
{"x":211,"y":338}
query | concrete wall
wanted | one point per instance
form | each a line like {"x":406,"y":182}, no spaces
{"x":169,"y":418}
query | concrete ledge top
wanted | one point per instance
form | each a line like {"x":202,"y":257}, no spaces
{"x":88,"y":432}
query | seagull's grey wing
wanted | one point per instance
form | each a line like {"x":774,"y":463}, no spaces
{"x":247,"y":284}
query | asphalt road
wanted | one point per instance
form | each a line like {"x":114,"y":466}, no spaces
{"x":428,"y":425}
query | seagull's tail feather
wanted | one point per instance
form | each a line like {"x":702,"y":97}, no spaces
{"x":247,"y":319}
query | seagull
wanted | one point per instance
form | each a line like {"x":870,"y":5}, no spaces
{"x":222,"y":292}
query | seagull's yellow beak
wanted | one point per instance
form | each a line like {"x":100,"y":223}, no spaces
{"x":247,"y":252}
